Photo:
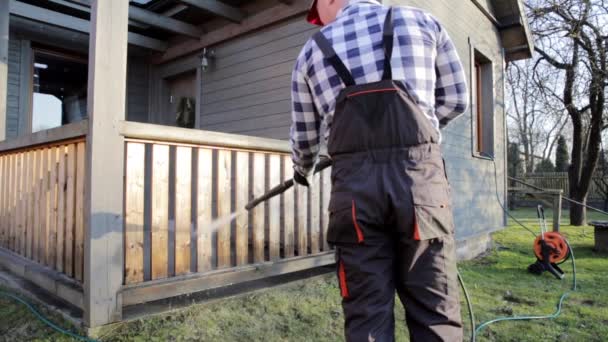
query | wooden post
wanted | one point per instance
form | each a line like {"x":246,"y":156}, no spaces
{"x":557,"y":210}
{"x":104,"y":233}
{"x":4,"y":17}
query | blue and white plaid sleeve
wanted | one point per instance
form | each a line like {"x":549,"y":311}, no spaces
{"x":306,"y":122}
{"x":451,"y":95}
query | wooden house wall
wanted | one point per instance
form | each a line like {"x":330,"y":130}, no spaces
{"x":247,"y":91}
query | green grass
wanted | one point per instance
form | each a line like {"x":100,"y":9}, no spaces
{"x":310,"y":310}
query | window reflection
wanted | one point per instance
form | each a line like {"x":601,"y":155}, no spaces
{"x":59,"y":90}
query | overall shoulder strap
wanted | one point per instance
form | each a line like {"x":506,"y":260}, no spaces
{"x":330,"y":54}
{"x":387,"y":42}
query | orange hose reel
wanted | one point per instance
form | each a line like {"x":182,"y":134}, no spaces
{"x":557,"y":243}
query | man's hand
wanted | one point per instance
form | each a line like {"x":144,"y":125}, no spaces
{"x":300,"y":178}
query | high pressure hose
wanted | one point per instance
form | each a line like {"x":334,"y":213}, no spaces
{"x":43,"y":319}
{"x":475,"y":330}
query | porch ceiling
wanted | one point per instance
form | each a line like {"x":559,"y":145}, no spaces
{"x":154,"y":24}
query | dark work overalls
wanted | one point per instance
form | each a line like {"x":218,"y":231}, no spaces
{"x":390,"y":210}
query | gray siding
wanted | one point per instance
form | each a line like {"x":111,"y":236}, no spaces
{"x":247,"y":90}
{"x":14,"y":81}
{"x":476,"y":209}
{"x":137,"y":89}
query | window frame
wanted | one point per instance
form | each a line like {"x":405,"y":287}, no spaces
{"x":481,"y":109}
{"x":56,"y":52}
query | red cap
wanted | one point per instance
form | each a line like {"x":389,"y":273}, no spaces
{"x":313,"y":14}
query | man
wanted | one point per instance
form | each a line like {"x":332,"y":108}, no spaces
{"x":383,"y":82}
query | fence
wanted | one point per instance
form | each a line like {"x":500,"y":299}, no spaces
{"x":559,"y":180}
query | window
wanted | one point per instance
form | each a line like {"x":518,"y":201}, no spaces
{"x":59,"y":94}
{"x":483,"y":109}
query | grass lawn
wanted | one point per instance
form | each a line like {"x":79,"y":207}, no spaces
{"x":310,"y":310}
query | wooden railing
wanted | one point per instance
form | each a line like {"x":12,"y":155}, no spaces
{"x":178,"y":182}
{"x":41,"y":198}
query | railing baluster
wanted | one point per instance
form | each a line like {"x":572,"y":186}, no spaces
{"x":242,"y":197}
{"x":259,"y":184}
{"x":288,"y":209}
{"x":183,"y":211}
{"x":224,"y":171}
{"x":134,"y":213}
{"x":274,"y":209}
{"x":204,"y":209}
{"x":160,"y":212}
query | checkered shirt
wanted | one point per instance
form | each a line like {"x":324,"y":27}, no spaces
{"x":424,"y":60}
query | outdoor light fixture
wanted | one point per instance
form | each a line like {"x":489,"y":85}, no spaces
{"x":206,"y":58}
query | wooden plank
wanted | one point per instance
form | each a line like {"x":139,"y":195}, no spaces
{"x":258,"y":213}
{"x":52,"y":237}
{"x":315,"y":217}
{"x":37,"y":180}
{"x":3,"y":191}
{"x":224,"y":171}
{"x":11,"y":208}
{"x":29,"y":162}
{"x":274,"y":209}
{"x":44,"y":200}
{"x":19,"y":205}
{"x":61,"y":208}
{"x":134,"y":213}
{"x":183,"y":211}
{"x":302,"y":231}
{"x":4,"y":197}
{"x":288,"y":210}
{"x":204,"y":209}
{"x":164,"y":23}
{"x":53,"y":282}
{"x":177,"y":135}
{"x":160,"y":211}
{"x":557,"y":212}
{"x":326,"y":194}
{"x":218,"y":8}
{"x":6,"y":202}
{"x":171,"y":287}
{"x":79,"y":212}
{"x":70,"y":209}
{"x":241,"y":200}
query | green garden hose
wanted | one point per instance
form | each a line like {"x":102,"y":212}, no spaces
{"x":476,"y":329}
{"x":43,"y":319}
{"x":557,"y":312}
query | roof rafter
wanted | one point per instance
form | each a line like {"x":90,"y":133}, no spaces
{"x":218,"y":8}
{"x":76,"y":24}
{"x":153,"y":19}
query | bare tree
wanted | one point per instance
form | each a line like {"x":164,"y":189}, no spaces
{"x":571,"y":36}
{"x":535,"y":118}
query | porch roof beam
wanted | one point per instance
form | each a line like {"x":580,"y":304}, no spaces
{"x":76,"y":24}
{"x":218,"y":8}
{"x":163,"y":22}
{"x":140,"y":15}
{"x":253,"y":22}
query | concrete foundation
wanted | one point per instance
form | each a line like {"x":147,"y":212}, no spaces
{"x":472,"y":247}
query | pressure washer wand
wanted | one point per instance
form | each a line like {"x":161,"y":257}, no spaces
{"x":281,"y":188}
